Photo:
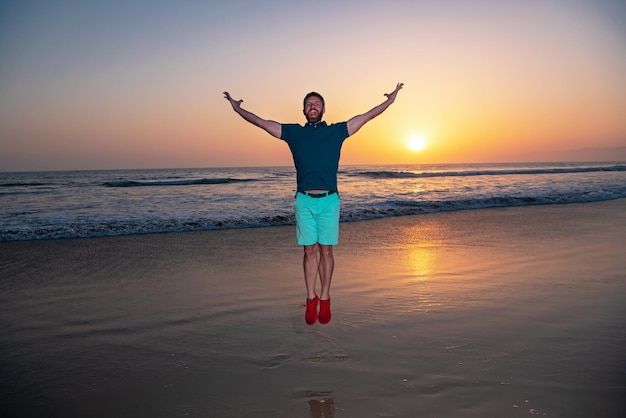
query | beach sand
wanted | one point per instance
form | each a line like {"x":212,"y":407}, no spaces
{"x":485,"y":313}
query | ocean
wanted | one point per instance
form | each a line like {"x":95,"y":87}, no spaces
{"x":77,"y":204}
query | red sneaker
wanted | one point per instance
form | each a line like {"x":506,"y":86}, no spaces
{"x":311,"y":310}
{"x":325,"y":314}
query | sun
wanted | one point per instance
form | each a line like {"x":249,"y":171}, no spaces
{"x":417,"y":142}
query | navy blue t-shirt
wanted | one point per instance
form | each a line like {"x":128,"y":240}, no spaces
{"x":316,"y":149}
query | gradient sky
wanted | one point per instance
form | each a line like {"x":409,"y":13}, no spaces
{"x":138,"y":84}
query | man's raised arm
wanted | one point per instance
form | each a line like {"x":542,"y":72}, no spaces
{"x":358,"y":121}
{"x":272,"y":127}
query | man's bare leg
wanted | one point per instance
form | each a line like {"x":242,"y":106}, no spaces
{"x":311,"y":265}
{"x":326,"y":268}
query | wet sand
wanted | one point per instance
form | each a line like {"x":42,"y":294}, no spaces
{"x":485,"y":313}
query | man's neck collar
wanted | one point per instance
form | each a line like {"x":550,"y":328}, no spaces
{"x":320,"y":123}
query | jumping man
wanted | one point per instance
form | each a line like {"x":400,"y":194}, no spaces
{"x":316,"y":148}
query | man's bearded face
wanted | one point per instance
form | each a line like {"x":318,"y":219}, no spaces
{"x":313,"y":109}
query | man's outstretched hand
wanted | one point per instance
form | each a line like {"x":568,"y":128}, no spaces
{"x":392,"y":96}
{"x":233,"y":102}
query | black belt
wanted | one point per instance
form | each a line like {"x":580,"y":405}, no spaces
{"x":318,"y":195}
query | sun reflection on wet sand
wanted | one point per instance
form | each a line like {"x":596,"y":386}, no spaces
{"x":420,"y":261}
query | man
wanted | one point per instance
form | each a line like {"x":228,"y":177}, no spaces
{"x":316,"y":148}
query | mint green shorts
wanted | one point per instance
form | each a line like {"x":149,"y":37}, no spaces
{"x":317,"y":219}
